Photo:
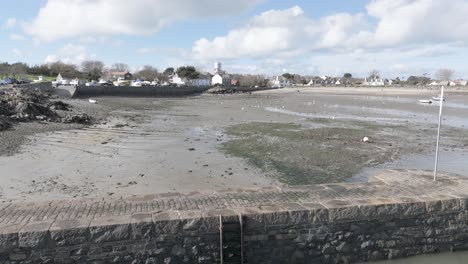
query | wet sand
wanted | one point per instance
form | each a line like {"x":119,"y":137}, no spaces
{"x":154,"y":145}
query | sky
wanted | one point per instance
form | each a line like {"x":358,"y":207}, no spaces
{"x":399,"y":38}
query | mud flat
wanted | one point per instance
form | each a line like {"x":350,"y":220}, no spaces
{"x":265,"y":139}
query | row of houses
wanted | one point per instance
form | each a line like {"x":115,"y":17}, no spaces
{"x":219,"y":77}
{"x":450,"y":83}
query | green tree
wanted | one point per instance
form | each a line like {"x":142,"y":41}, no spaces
{"x":168,"y":71}
{"x":148,"y":73}
{"x":288,"y":76}
{"x":188,"y":72}
{"x":93,"y":69}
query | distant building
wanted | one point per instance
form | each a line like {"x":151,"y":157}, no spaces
{"x":59,"y":78}
{"x":374,"y":82}
{"x":202,"y":80}
{"x":280,"y":81}
{"x":461,"y":82}
{"x":125,"y":75}
{"x":218,"y":69}
{"x":178,"y":80}
{"x":219,"y":79}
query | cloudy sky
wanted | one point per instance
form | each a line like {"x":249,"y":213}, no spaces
{"x":314,"y":37}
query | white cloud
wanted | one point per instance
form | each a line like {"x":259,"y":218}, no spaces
{"x":17,"y":37}
{"x":399,"y":23}
{"x":70,"y":53}
{"x":284,"y":33}
{"x":9,"y":23}
{"x":406,"y":21}
{"x":72,"y":18}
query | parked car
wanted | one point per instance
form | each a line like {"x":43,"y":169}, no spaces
{"x":104,"y":83}
{"x":9,"y":80}
{"x":24,"y":81}
{"x":2,"y":82}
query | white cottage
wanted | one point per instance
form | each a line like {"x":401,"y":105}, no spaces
{"x":218,"y":79}
{"x":178,"y":80}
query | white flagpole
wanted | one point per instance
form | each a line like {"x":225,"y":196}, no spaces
{"x":438,"y":133}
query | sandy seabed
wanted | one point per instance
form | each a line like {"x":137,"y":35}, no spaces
{"x":154,"y":145}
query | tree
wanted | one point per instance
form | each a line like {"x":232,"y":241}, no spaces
{"x":415,"y":80}
{"x":250,"y":80}
{"x":168,"y":71}
{"x":444,"y":74}
{"x":347,"y":75}
{"x":148,"y":73}
{"x":93,"y":69}
{"x":188,"y":72}
{"x":66,"y":70}
{"x":120,"y":67}
{"x":288,"y":76}
{"x":374,"y":74}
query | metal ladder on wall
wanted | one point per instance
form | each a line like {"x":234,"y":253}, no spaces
{"x":231,"y":241}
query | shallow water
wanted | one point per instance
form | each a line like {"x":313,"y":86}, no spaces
{"x":452,"y":162}
{"x":449,"y":161}
{"x":446,"y":258}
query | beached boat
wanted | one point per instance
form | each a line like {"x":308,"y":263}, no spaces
{"x":425,"y":101}
{"x":437,"y":98}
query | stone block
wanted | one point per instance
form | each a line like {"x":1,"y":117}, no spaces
{"x":380,"y":209}
{"x":340,"y":210}
{"x":142,"y":226}
{"x":166,"y":223}
{"x":463,"y":204}
{"x":34,"y":235}
{"x":298,"y":214}
{"x":411,"y":207}
{"x":18,"y":255}
{"x":253,"y":219}
{"x":317,"y":212}
{"x":9,"y":236}
{"x":211,"y":218}
{"x":108,"y":229}
{"x":192,"y":220}
{"x":70,"y":232}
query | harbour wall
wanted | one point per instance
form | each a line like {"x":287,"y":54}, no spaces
{"x":391,"y":217}
{"x":42,"y":86}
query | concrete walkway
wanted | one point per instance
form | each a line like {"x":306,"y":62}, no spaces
{"x":389,"y":187}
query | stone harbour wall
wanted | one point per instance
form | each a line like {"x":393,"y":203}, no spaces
{"x":86,"y":91}
{"x":396,"y":215}
{"x":42,"y":86}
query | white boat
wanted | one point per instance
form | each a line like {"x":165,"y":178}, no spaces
{"x":137,"y":84}
{"x":437,"y":98}
{"x":92,"y":101}
{"x":424,"y":101}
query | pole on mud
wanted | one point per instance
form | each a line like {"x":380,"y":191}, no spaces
{"x":438,"y":132}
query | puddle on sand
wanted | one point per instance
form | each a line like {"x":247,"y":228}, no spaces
{"x":451,"y":162}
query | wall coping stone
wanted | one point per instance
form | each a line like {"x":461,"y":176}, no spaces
{"x":389,"y":195}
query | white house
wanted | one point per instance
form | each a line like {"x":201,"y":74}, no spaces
{"x":434,"y":83}
{"x":178,"y":80}
{"x":374,"y":82}
{"x":202,"y":80}
{"x":280,"y":82}
{"x":76,"y":82}
{"x":218,"y":79}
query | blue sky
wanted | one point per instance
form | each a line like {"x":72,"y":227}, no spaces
{"x":396,"y":37}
